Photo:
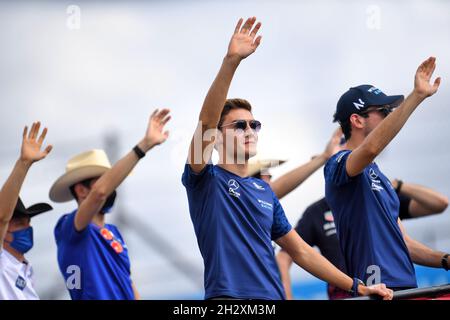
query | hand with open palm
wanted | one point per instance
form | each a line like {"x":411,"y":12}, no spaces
{"x":31,"y":144}
{"x":422,"y":85}
{"x":155,"y":133}
{"x":244,"y":41}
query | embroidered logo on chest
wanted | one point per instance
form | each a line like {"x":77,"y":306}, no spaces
{"x":375,"y":181}
{"x":21,"y":283}
{"x":232,"y":187}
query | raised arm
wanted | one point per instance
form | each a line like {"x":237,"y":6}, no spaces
{"x":112,"y":178}
{"x":291,"y":180}
{"x":30,"y":153}
{"x":383,"y":134}
{"x":313,"y":262}
{"x":242,"y":44}
{"x":420,"y":253}
{"x":424,"y":201}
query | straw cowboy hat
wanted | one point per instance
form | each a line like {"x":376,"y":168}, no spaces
{"x":90,"y":164}
{"x":259,"y":165}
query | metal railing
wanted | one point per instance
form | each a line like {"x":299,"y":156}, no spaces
{"x":429,"y":292}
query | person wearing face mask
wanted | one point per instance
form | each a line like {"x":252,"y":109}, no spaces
{"x":92,"y":255}
{"x":16,"y":233}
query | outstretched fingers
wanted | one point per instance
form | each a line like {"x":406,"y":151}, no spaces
{"x":255,"y":30}
{"x":436,"y":83}
{"x":257,"y":42}
{"x":48,"y":149}
{"x":238,"y":26}
{"x":165,"y":120}
{"x":43,"y":135}
{"x":25,"y":131}
{"x":159,"y":117}
{"x":248,"y":25}
{"x":32,"y":129}
{"x":36,"y":130}
{"x":427,"y":67}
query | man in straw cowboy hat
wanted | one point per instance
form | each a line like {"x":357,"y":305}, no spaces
{"x":16,"y":233}
{"x":92,"y":255}
{"x":236,"y":217}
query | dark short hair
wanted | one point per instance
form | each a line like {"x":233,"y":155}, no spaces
{"x":231,"y":104}
{"x":86,"y":183}
{"x":346,"y":127}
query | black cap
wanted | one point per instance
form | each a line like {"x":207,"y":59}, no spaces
{"x":32,"y":211}
{"x":359,"y":98}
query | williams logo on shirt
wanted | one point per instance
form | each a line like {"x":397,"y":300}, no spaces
{"x":21,"y":283}
{"x":265,"y":204}
{"x":232,"y":187}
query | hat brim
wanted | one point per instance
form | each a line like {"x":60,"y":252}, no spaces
{"x":392,"y":101}
{"x":60,"y":191}
{"x":38,"y":208}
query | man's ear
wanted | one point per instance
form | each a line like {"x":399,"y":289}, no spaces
{"x":81,"y":191}
{"x":357,"y":121}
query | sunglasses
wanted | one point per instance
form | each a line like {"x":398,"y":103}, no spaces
{"x":385,"y":110}
{"x":241,"y":125}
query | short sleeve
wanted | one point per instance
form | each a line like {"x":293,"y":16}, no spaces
{"x":191,"y":179}
{"x":65,"y":229}
{"x":335,"y":169}
{"x":404,"y":207}
{"x":281,"y":225}
{"x":305,"y":227}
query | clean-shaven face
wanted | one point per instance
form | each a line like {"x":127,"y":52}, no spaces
{"x":239,"y":144}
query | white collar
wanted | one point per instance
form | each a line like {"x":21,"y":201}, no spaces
{"x":13,"y":259}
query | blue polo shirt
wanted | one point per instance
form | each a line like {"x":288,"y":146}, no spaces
{"x":366,"y":210}
{"x":93,"y":262}
{"x":235,"y":219}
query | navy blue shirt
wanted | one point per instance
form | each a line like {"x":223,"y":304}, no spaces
{"x":235,"y":220}
{"x":94,"y":262}
{"x":366,"y":210}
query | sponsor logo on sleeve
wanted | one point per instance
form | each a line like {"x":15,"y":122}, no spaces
{"x":265,"y":204}
{"x":259,"y":187}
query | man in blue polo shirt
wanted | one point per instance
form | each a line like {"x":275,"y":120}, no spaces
{"x":92,"y":255}
{"x":236,"y":217}
{"x":363,"y":201}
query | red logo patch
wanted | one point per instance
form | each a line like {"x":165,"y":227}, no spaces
{"x":117,"y":246}
{"x":106,"y":234}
